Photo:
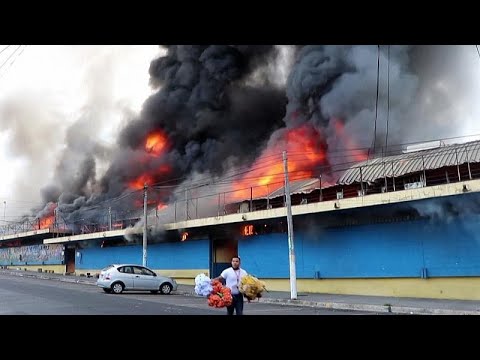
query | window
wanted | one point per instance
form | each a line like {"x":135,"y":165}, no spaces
{"x":125,"y":269}
{"x":142,"y":271}
{"x":147,"y":272}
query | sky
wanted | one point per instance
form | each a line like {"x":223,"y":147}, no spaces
{"x":44,"y":89}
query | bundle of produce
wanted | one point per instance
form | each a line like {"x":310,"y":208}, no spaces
{"x":220,"y":296}
{"x":203,"y":285}
{"x":251,"y":287}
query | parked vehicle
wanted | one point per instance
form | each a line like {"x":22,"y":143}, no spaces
{"x":117,"y":278}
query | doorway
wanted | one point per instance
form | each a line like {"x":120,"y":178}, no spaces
{"x":223,"y":249}
{"x":70,"y":260}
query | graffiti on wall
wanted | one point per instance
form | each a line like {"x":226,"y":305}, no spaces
{"x":32,"y":254}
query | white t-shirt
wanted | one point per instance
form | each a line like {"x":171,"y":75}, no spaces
{"x":232,"y":278}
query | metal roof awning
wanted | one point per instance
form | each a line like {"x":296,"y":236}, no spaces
{"x":404,"y":164}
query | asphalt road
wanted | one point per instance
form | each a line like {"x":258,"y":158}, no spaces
{"x":30,"y":296}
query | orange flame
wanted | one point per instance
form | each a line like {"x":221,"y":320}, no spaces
{"x":140,"y":181}
{"x":155,"y":143}
{"x":149,"y":179}
{"x":164,"y":169}
{"x":306,"y":150}
{"x":161,"y":206}
{"x":48,"y":220}
{"x":353,"y":151}
{"x":140,"y":203}
{"x":117,"y":225}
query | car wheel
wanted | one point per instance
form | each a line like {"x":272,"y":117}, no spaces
{"x":108,"y":291}
{"x":117,"y":288}
{"x":154,"y":291}
{"x":166,"y":288}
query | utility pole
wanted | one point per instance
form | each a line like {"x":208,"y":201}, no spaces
{"x":145,"y":224}
{"x":110,"y":218}
{"x":5,"y":205}
{"x":186,"y":204}
{"x":291,"y":250}
{"x":55,"y":217}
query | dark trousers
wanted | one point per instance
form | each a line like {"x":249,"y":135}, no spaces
{"x":237,"y":305}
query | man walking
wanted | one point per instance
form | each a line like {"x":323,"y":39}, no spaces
{"x":232,"y":277}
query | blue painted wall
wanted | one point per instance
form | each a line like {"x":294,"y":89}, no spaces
{"x":444,"y":247}
{"x":192,"y":254}
{"x":265,"y":256}
{"x":453,"y":248}
{"x":32,"y":255}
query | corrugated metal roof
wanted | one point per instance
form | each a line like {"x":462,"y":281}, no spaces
{"x":413,"y":162}
{"x":304,"y":186}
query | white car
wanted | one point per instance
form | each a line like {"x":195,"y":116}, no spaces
{"x":117,"y":278}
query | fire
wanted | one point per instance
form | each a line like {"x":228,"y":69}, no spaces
{"x":161,"y":206}
{"x":117,"y":225}
{"x":48,"y":220}
{"x":140,"y":203}
{"x":140,"y":181}
{"x":164,"y":169}
{"x":149,"y":178}
{"x":306,"y":149}
{"x":155,"y":143}
{"x":353,"y":151}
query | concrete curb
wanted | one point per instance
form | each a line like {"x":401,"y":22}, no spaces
{"x":394,"y":309}
{"x":357,"y":307}
{"x":369,"y":307}
{"x":72,"y":279}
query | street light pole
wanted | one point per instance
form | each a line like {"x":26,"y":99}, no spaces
{"x":145,"y":225}
{"x":291,"y":250}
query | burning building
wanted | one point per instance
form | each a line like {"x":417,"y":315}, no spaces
{"x":205,"y":157}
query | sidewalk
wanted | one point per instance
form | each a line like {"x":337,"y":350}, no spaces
{"x":416,"y":306}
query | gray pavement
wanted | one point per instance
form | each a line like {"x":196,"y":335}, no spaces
{"x":377,"y":304}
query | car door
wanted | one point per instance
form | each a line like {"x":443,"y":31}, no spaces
{"x":144,"y":279}
{"x":126,"y":275}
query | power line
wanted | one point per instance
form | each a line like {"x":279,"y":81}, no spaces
{"x":13,"y":61}
{"x":376,"y":101}
{"x":5,"y":48}
{"x":14,"y":51}
{"x":335,"y":167}
{"x":239,"y":170}
{"x":230,"y":179}
{"x":388,"y":95}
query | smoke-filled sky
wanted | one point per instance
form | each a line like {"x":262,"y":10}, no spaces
{"x":47,"y":89}
{"x":75,"y":121}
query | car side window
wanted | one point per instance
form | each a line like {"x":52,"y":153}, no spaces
{"x":137,"y":270}
{"x":125,"y":269}
{"x":146,"y":272}
{"x":142,"y":271}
